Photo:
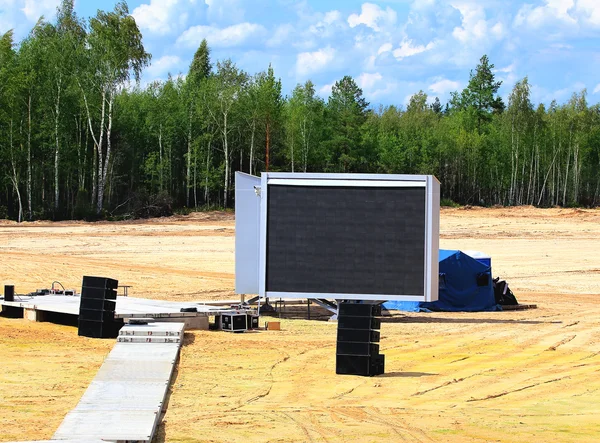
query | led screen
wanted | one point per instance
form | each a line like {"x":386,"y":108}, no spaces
{"x":346,"y":240}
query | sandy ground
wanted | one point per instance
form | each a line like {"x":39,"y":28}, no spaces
{"x":450,"y":377}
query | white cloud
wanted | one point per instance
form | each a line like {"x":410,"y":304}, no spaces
{"x":507,"y":75}
{"x":327,"y":25}
{"x":596,"y":89}
{"x":389,"y":89}
{"x":443,"y":86}
{"x":162,"y":17}
{"x":498,"y":30}
{"x":325,"y":90}
{"x":373,"y":16}
{"x":474,"y":26}
{"x":234,"y":35}
{"x":332,"y":17}
{"x":230,"y":11}
{"x":588,"y":11}
{"x":386,"y":47}
{"x":34,"y":9}
{"x":154,"y":17}
{"x":164,"y":65}
{"x":367,"y":81}
{"x":407,"y":49}
{"x":508,"y":69}
{"x":309,"y":62}
{"x":281,"y":35}
{"x":375,"y":85}
{"x":551,"y":11}
{"x":560,"y":15}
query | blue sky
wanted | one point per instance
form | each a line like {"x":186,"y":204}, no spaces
{"x":392,"y":48}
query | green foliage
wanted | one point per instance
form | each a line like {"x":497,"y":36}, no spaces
{"x":479,"y":99}
{"x":116,"y":40}
{"x":201,"y":67}
{"x":346,"y":112}
{"x":76,"y":142}
{"x":447,"y":203}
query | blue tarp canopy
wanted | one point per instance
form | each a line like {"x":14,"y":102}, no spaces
{"x":465,"y":284}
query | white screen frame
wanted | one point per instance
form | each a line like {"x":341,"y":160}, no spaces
{"x":432,"y":214}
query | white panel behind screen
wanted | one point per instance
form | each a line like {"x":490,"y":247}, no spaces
{"x":247,"y":233}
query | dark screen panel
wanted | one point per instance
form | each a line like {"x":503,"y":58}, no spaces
{"x":354,"y":240}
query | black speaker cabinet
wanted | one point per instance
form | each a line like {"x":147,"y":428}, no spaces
{"x":358,"y":310}
{"x":98,"y":293}
{"x":98,"y":304}
{"x":100,"y":282}
{"x":357,"y":348}
{"x":9,"y":293}
{"x":359,"y":365}
{"x":358,"y":335}
{"x":234,"y":322}
{"x":379,"y":364}
{"x":95,"y":315}
{"x":98,"y":329}
{"x":358,"y":323}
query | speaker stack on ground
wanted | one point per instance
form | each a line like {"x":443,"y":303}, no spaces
{"x":358,"y":340}
{"x":97,"y":308}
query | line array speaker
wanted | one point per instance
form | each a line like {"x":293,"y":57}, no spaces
{"x":96,"y":315}
{"x":100,"y":282}
{"x":358,"y":335}
{"x":97,"y":308}
{"x":98,"y":329}
{"x":357,"y":351}
{"x":358,"y":322}
{"x":98,"y":293}
{"x":359,"y":310}
{"x":357,"y":348}
{"x":366,"y":365}
{"x":97,"y":303}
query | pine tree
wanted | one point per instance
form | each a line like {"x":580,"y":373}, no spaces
{"x":479,"y":97}
{"x":436,"y":106}
{"x":347,"y":112}
{"x":200,"y":68}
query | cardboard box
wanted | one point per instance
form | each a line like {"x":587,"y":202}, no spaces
{"x":273,"y":326}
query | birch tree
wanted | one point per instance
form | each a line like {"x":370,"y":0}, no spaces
{"x":116,"y":53}
{"x":199,"y":71}
{"x":225,"y":90}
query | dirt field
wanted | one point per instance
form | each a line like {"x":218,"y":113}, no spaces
{"x":503,"y":376}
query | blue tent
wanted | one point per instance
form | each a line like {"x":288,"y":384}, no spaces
{"x":465,"y":284}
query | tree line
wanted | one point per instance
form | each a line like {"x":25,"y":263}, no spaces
{"x":80,"y":138}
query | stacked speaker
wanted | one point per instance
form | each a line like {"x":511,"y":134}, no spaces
{"x":97,"y":308}
{"x":9,"y":293}
{"x":358,"y":340}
